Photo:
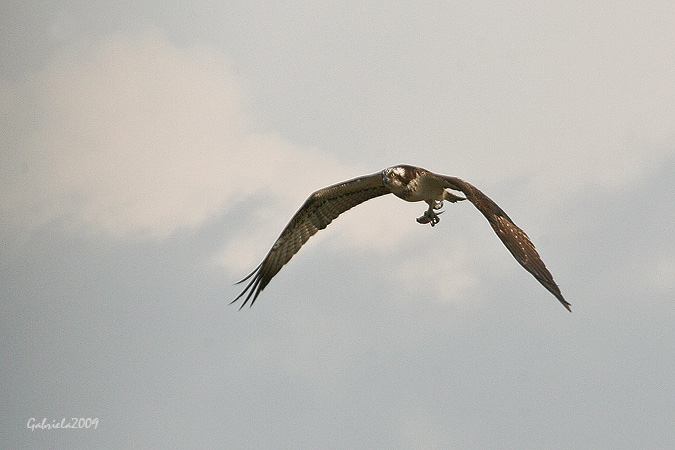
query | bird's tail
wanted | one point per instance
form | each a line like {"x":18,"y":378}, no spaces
{"x":452,"y":198}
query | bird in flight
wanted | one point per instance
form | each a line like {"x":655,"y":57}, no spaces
{"x":409,"y":183}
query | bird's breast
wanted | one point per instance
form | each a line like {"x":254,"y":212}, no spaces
{"x":422,"y":189}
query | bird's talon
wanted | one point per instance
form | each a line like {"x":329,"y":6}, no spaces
{"x":429,"y":217}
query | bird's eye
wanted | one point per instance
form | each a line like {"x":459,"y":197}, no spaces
{"x":392,"y":175}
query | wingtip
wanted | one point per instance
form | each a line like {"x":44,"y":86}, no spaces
{"x":235,"y":301}
{"x":565,"y":303}
{"x":252,"y":289}
{"x":246,"y":300}
{"x":251,"y":292}
{"x":242,"y":303}
{"x":248,"y":276}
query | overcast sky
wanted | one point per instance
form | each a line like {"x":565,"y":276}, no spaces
{"x":151,"y":153}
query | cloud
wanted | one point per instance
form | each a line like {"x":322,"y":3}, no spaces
{"x":138,"y":136}
{"x":127,"y":135}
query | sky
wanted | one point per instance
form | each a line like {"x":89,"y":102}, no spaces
{"x":151,"y":153}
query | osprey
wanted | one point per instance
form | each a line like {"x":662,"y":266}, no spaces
{"x":409,"y":183}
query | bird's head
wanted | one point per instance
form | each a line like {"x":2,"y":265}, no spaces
{"x":400,"y":179}
{"x":398,"y":174}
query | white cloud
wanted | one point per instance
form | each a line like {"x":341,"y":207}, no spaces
{"x":137,"y":135}
{"x":128,"y":135}
{"x":140,"y":136}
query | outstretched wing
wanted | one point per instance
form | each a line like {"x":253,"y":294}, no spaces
{"x":511,"y":235}
{"x":315,"y":214}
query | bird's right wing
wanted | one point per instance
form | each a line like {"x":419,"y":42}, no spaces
{"x":315,"y":214}
{"x":515,"y":239}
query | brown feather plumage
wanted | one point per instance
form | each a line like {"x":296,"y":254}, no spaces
{"x":319,"y":210}
{"x":409,"y":183}
{"x":513,"y":238}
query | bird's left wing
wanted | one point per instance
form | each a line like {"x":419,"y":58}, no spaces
{"x":515,"y":239}
{"x":315,"y":214}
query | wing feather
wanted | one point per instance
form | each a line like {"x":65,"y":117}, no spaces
{"x":515,"y":239}
{"x":319,"y":210}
